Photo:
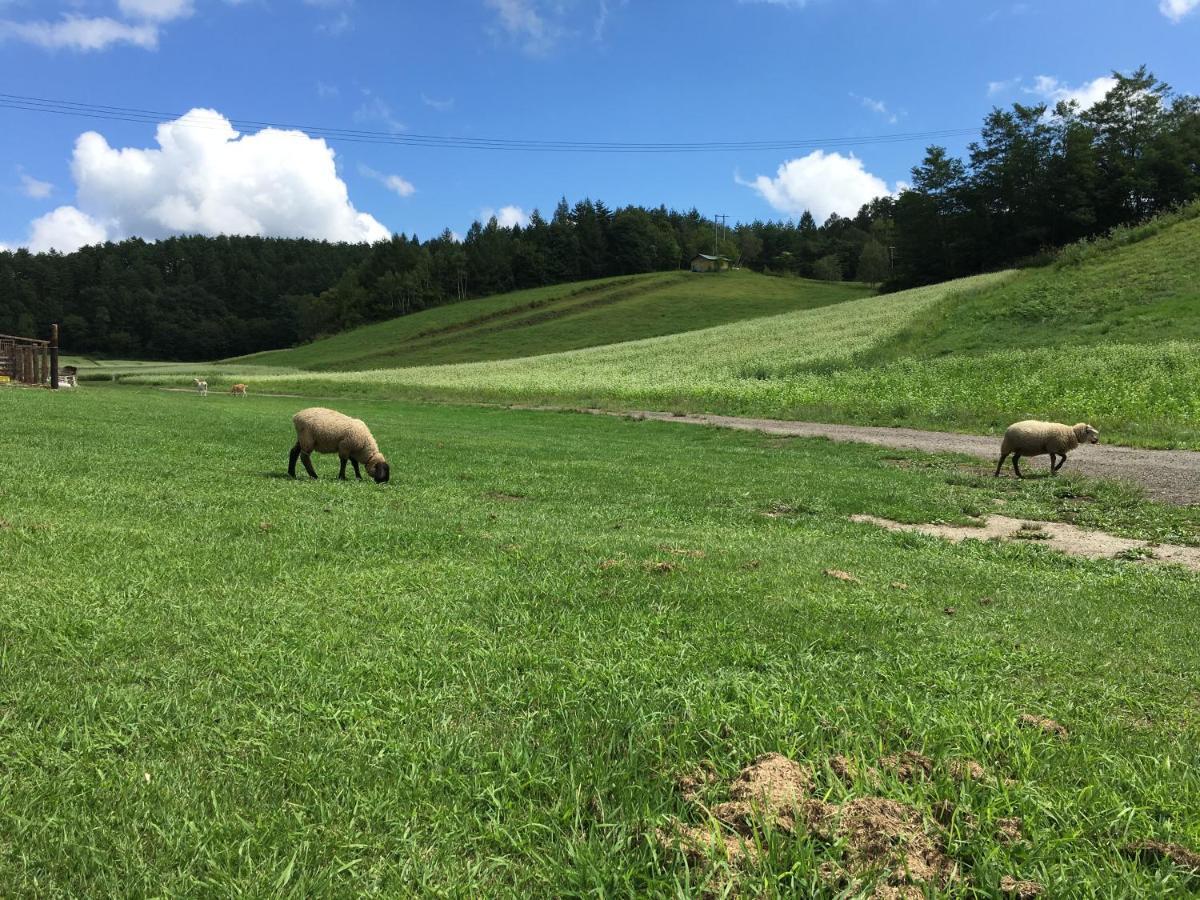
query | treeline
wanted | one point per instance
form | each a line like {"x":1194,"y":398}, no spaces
{"x":1040,"y":178}
{"x":1037,"y":179}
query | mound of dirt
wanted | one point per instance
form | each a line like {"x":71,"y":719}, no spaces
{"x":883,"y":835}
{"x":1009,"y":830}
{"x":841,"y":576}
{"x":1043,"y":724}
{"x":1157,"y":851}
{"x":773,"y":788}
{"x":879,"y":837}
{"x":1022,"y":890}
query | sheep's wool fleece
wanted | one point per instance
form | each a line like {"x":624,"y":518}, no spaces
{"x":329,"y":431}
{"x":1034,"y":438}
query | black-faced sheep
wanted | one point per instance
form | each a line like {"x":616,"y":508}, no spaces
{"x":1033,"y":438}
{"x":329,"y":431}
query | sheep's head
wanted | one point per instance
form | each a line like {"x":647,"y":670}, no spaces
{"x":377,"y":468}
{"x":1087,"y":434}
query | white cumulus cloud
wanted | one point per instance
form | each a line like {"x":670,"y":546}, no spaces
{"x":80,"y":33}
{"x":822,"y":183}
{"x":66,"y":230}
{"x":506,"y":216}
{"x":205,"y":178}
{"x":1175,"y":10}
{"x":1086,"y":95}
{"x":400,"y":186}
{"x":156,"y":10}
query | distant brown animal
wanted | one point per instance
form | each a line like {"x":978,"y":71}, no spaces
{"x":238,"y":390}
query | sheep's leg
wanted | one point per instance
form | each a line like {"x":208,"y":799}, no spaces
{"x":292,"y":457}
{"x":306,"y":458}
{"x":1017,"y":464}
{"x":1003,"y":457}
{"x":1062,"y":461}
{"x":1053,"y":467}
{"x":357,"y":473}
{"x":342,"y":470}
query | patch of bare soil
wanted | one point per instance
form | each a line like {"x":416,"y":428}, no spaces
{"x":1022,"y":890}
{"x":880,"y":837}
{"x":1157,"y":851}
{"x":908,"y":766}
{"x":1009,"y":831}
{"x":1068,"y":539}
{"x":680,"y":551}
{"x":772,"y":789}
{"x":1043,"y":724}
{"x":841,"y":576}
{"x":661,"y":568}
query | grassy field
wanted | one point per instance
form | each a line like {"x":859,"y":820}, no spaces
{"x":484,"y":678}
{"x":563,"y":317}
{"x":1110,"y":334}
{"x":1142,"y":293}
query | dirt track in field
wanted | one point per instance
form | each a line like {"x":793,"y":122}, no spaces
{"x":1169,"y":476}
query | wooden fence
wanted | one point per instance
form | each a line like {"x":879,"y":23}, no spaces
{"x":28,"y":360}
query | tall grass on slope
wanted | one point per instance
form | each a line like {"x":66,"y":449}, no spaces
{"x":743,"y":364}
{"x":564,"y":317}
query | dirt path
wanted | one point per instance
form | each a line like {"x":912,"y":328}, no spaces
{"x":1170,"y":476}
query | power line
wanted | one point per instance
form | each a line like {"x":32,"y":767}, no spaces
{"x":153,"y":117}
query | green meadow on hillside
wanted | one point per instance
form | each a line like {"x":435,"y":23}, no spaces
{"x":1110,"y":334}
{"x":487,"y":677}
{"x":562,"y":317}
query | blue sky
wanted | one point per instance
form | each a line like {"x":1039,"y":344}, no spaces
{"x":571,"y":70}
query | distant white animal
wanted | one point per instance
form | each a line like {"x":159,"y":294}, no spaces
{"x":1034,"y":438}
{"x":201,"y":386}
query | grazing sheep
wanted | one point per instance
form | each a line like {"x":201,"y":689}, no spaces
{"x":329,"y":431}
{"x":238,"y":390}
{"x":1033,"y":438}
{"x":201,"y":387}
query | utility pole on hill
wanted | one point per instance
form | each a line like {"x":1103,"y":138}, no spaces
{"x":719,"y":217}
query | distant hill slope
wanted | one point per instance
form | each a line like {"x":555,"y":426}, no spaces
{"x":563,"y":317}
{"x":1143,"y":292}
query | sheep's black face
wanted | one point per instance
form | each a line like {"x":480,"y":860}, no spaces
{"x":1093,"y":436}
{"x":382,"y":473}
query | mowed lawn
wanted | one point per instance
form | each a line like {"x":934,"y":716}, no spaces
{"x":484,"y":678}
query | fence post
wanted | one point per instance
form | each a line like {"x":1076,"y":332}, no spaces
{"x":54,"y":357}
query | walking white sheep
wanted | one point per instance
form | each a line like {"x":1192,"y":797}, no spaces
{"x":329,"y":431}
{"x":1033,"y":438}
{"x":201,"y":387}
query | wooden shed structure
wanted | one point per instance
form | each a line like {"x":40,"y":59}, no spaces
{"x":29,"y":360}
{"x":702,"y":262}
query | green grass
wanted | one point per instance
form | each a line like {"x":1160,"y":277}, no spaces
{"x":216,"y":681}
{"x":1146,"y":292}
{"x":563,"y":317}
